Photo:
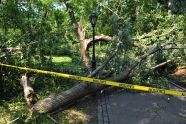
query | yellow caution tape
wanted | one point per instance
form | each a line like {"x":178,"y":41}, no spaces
{"x":104,"y":82}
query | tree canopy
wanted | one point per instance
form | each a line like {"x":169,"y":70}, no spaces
{"x":33,"y":33}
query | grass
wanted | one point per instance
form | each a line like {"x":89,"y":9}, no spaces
{"x":61,"y":59}
{"x":66,"y":64}
{"x":16,"y":111}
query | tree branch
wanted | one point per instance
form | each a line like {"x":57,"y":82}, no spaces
{"x":153,"y":33}
{"x":105,"y":62}
{"x":78,"y":28}
{"x":101,"y":37}
{"x":122,"y":76}
{"x":160,"y":65}
{"x":54,"y":101}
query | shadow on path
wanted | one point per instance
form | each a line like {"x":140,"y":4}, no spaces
{"x":140,"y":108}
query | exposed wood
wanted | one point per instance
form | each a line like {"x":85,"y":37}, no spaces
{"x":63,"y":99}
{"x":180,"y":71}
{"x":80,"y":33}
{"x":159,"y":65}
{"x":179,"y":77}
{"x":29,"y":95}
{"x":101,"y":37}
{"x":56,"y":100}
{"x":86,"y":43}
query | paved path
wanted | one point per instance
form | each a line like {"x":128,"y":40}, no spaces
{"x":140,"y":108}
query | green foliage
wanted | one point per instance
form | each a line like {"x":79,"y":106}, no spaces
{"x":44,"y":33}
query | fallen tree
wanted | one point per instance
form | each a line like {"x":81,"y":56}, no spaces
{"x":66,"y":98}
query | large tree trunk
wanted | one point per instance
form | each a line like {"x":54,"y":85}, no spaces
{"x":55,"y":101}
{"x":63,"y":99}
{"x":80,"y":34}
{"x":66,"y":98}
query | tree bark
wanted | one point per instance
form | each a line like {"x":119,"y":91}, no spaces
{"x":63,"y":99}
{"x":55,"y":101}
{"x":80,"y":33}
{"x":29,"y":95}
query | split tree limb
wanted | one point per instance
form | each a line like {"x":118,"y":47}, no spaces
{"x":80,"y":33}
{"x":29,"y":95}
{"x":98,"y":38}
{"x":86,"y":43}
{"x":160,"y":65}
{"x":54,"y":101}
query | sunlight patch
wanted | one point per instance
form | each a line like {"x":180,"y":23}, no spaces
{"x":61,"y":59}
{"x":77,"y":116}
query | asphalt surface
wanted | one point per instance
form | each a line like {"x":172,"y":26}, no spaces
{"x":122,"y":107}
